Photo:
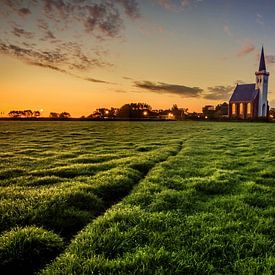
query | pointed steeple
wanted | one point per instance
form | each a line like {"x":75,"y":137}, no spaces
{"x":262,"y":66}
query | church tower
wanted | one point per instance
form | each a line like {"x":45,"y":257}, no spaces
{"x":262,"y":86}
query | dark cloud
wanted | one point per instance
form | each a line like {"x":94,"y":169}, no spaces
{"x":219,"y":92}
{"x":127,"y":78}
{"x":70,"y":59}
{"x":32,"y":56}
{"x":48,"y":66}
{"x":19,"y":32}
{"x":131,"y":7}
{"x":43,"y":59}
{"x":104,"y":20}
{"x":51,"y":20}
{"x":49,"y":35}
{"x":164,"y":88}
{"x":97,"y":80}
{"x":101,"y":18}
{"x":24,"y":12}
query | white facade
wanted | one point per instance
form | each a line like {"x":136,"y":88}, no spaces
{"x":262,"y":86}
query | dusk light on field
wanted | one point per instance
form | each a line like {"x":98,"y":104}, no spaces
{"x":137,"y":137}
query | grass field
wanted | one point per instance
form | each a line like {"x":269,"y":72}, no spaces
{"x":137,"y":198}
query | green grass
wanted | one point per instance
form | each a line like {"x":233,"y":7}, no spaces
{"x":25,"y":250}
{"x":143,"y":197}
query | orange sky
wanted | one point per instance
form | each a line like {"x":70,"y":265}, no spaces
{"x":191,"y":55}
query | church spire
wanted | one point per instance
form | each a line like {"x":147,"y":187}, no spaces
{"x":262,"y":66}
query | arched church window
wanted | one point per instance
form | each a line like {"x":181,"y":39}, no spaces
{"x":233,"y":108}
{"x":249,"y":108}
{"x":241,"y":108}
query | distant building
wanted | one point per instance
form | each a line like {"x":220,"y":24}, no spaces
{"x":222,"y":110}
{"x":208,"y":111}
{"x":251,"y":100}
{"x":167,"y":115}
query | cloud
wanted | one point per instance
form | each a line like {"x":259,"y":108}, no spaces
{"x":24,"y":12}
{"x":219,"y":92}
{"x":270,"y":59}
{"x":49,"y":35}
{"x":127,"y":78}
{"x":19,"y":32}
{"x":54,"y":21}
{"x":101,"y":18}
{"x":227,"y":30}
{"x":131,"y":7}
{"x":97,"y":80}
{"x":247,"y":47}
{"x":259,"y":19}
{"x":176,"y":5}
{"x":30,"y":55}
{"x":239,"y":82}
{"x":165,"y":88}
{"x":59,"y":60}
{"x":48,"y":66}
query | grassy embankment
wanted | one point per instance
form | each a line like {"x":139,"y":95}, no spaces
{"x":208,"y":208}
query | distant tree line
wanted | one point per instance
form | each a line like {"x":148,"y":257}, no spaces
{"x":138,"y":111}
{"x":141,"y":111}
{"x":24,"y":114}
{"x":62,"y":115}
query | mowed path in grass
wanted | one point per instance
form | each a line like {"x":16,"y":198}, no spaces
{"x":201,"y":195}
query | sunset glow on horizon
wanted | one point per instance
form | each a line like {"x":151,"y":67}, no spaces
{"x":77,"y":56}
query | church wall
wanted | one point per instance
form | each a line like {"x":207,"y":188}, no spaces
{"x":245,"y":115}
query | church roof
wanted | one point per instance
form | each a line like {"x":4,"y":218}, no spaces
{"x":262,"y":66}
{"x":244,"y":92}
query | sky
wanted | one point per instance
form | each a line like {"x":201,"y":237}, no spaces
{"x":80,"y":55}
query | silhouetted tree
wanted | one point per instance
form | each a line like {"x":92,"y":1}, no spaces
{"x":15,"y":114}
{"x":64,"y":115}
{"x":54,"y":115}
{"x":27,"y":113}
{"x":36,"y":114}
{"x":134,"y":110}
{"x":179,"y":113}
{"x":222,"y":109}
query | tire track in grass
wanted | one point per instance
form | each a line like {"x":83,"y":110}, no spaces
{"x":110,"y":187}
{"x":143,"y":168}
{"x":165,"y":234}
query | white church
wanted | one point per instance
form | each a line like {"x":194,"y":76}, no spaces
{"x":250,"y":101}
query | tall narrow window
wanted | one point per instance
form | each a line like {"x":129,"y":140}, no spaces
{"x":241,"y":108}
{"x":233,"y":109}
{"x":249,"y":108}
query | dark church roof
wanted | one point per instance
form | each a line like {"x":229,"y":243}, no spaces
{"x":244,"y":92}
{"x":262,"y":66}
